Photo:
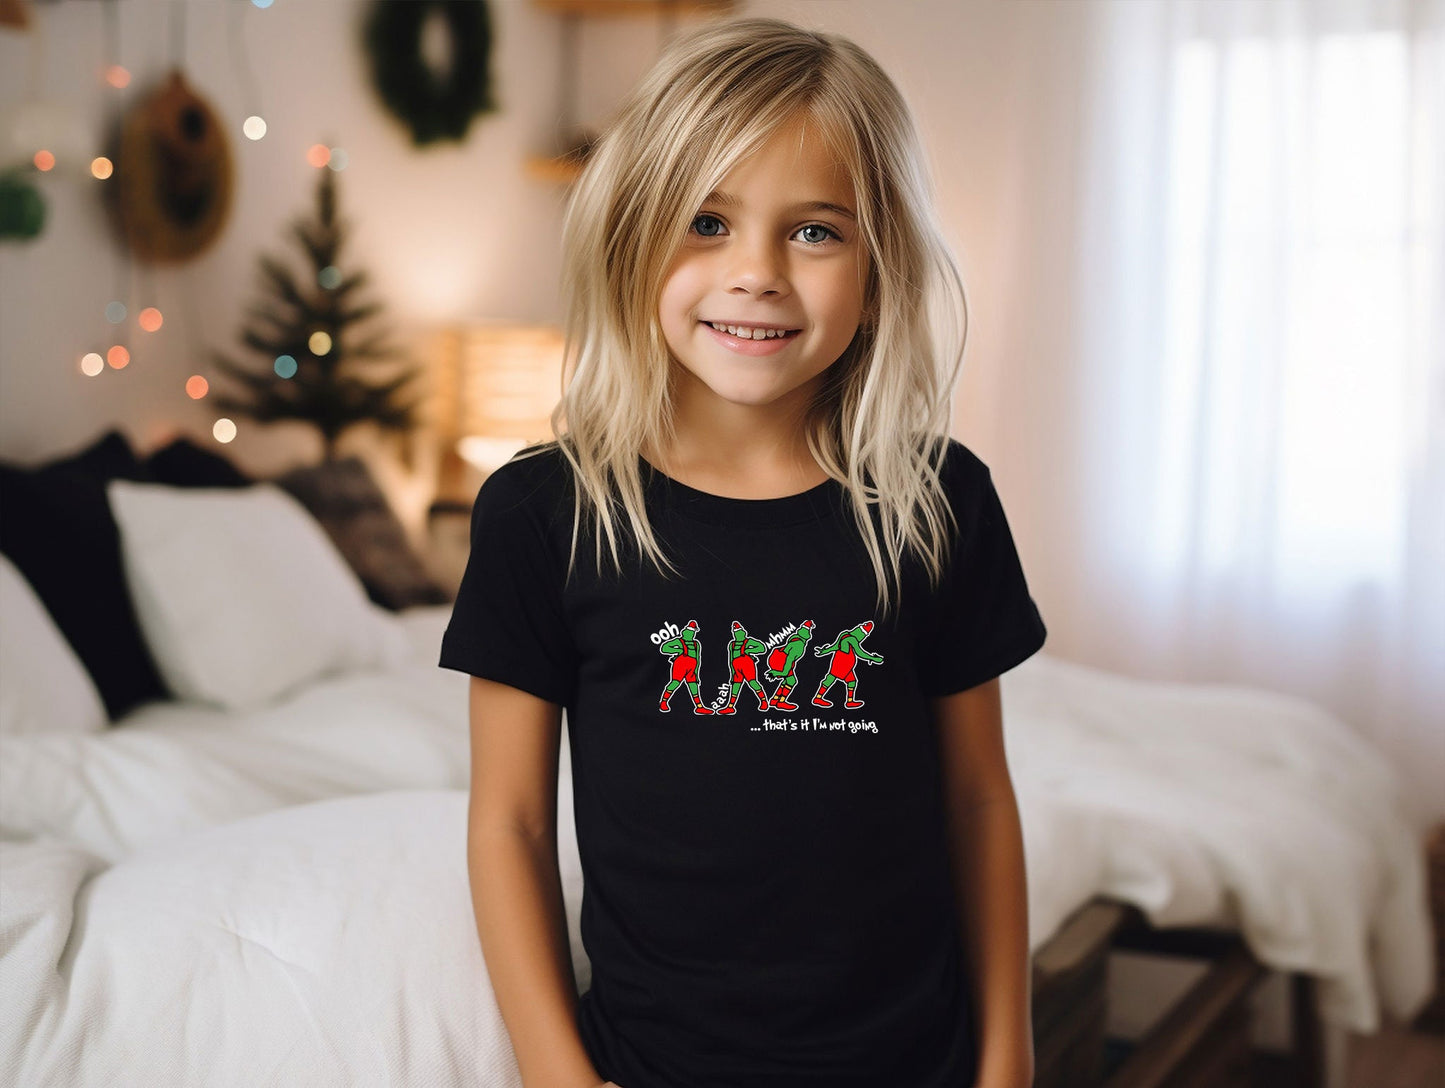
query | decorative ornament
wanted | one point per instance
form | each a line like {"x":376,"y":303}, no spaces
{"x":171,"y":193}
{"x":436,"y":102}
{"x":22,"y":208}
{"x":15,"y":14}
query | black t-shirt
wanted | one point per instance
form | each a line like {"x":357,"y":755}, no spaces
{"x":767,"y":894}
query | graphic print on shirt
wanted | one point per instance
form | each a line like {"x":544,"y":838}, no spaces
{"x":783,"y":663}
{"x":684,"y":667}
{"x":741,"y":651}
{"x":847,"y":650}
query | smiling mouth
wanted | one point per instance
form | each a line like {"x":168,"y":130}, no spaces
{"x":752,"y":332}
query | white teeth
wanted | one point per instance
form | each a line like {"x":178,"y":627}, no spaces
{"x":749,"y":334}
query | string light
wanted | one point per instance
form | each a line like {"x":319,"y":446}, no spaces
{"x":197,"y":387}
{"x":44,"y":160}
{"x":339,"y":159}
{"x":285,"y":366}
{"x":150,"y":319}
{"x":101,"y":167}
{"x":117,"y":356}
{"x":318,"y":155}
{"x":254,"y":127}
{"x":115,"y":312}
{"x":117,"y":76}
{"x":91,"y":364}
{"x":319,"y":343}
{"x":262,"y":4}
{"x":329,"y":277}
{"x":224,"y":430}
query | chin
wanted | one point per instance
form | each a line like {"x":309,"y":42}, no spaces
{"x":748,"y":393}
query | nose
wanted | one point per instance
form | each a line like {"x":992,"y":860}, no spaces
{"x":756,"y":268}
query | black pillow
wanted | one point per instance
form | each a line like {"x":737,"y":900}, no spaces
{"x":57,"y":528}
{"x":185,"y":464}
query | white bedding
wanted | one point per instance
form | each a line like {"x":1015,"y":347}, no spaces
{"x":332,"y":942}
{"x":1218,"y":805}
{"x":172,"y":767}
{"x":326,"y":944}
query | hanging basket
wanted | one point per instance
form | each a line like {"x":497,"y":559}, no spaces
{"x":434,"y":105}
{"x":173,"y":182}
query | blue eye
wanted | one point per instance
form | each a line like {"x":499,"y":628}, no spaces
{"x":703,"y":219}
{"x":819,"y":227}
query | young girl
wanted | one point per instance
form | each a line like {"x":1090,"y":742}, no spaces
{"x":773,"y":596}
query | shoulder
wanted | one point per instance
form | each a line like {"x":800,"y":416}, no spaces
{"x":963,"y":477}
{"x":535,"y":483}
{"x":962,"y":462}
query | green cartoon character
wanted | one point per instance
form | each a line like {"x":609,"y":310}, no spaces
{"x":745,"y":670}
{"x":847,"y":649}
{"x":783,"y":662}
{"x":684,"y":667}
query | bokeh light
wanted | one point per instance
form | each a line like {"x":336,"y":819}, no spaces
{"x":285,"y":366}
{"x":150,"y":319}
{"x":224,"y":430}
{"x":197,"y":387}
{"x":117,"y":76}
{"x":101,"y":167}
{"x":117,"y":356}
{"x":115,"y":312}
{"x":44,"y":160}
{"x":262,"y":4}
{"x":91,"y":364}
{"x":254,"y":127}
{"x":329,"y":277}
{"x":318,"y":155}
{"x":339,"y":159}
{"x":320,"y":343}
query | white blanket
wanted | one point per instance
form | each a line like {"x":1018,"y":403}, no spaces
{"x":171,"y":767}
{"x":333,"y":942}
{"x":326,"y":944}
{"x":1230,"y":806}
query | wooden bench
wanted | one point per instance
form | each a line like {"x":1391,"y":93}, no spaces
{"x":1202,"y":1041}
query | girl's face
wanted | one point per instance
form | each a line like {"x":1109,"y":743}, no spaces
{"x":775,"y":247}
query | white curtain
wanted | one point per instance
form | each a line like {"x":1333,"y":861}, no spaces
{"x":1259,"y":375}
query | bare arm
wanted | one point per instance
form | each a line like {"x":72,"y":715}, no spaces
{"x":986,"y":843}
{"x":516,"y":886}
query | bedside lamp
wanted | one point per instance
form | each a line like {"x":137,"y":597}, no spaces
{"x":497,"y":386}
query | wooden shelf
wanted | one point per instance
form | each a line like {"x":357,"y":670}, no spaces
{"x":565,"y":169}
{"x":590,"y":8}
{"x":561,"y":169}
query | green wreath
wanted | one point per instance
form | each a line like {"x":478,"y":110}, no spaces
{"x":435,"y":106}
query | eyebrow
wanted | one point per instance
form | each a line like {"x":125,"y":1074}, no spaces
{"x":727,"y":200}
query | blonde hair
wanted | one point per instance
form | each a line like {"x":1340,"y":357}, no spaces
{"x":879,"y":422}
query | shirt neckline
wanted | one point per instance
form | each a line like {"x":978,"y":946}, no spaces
{"x":814,"y":504}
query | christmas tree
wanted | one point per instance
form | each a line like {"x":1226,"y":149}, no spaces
{"x":319,"y":366}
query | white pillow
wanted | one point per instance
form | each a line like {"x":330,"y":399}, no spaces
{"x":44,"y":688}
{"x":241,"y":594}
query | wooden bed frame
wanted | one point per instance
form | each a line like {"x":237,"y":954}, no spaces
{"x":1202,"y":1041}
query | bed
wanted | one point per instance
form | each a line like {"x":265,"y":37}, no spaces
{"x":261,"y":879}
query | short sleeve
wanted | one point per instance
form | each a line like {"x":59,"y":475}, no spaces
{"x":983,"y":621}
{"x":508,"y":623}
